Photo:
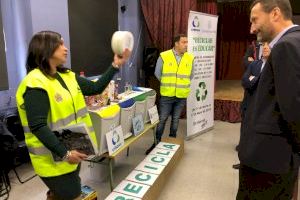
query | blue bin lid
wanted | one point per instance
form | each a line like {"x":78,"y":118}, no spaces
{"x":127,"y":103}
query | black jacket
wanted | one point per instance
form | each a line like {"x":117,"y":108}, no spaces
{"x":253,"y":69}
{"x":270,"y":140}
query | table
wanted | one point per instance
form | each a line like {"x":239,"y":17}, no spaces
{"x":129,"y":141}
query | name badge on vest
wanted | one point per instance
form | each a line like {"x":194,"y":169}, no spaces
{"x":58,"y":97}
{"x":79,"y":90}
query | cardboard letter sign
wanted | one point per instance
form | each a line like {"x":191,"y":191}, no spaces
{"x":132,"y":189}
{"x":142,"y":177}
{"x":119,"y":196}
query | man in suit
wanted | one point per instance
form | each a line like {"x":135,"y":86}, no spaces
{"x":253,"y":53}
{"x":249,"y":83}
{"x":251,"y":77}
{"x":270,"y":139}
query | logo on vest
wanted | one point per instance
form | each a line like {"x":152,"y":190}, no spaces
{"x":22,"y":106}
{"x":79,"y":90}
{"x":58,"y":97}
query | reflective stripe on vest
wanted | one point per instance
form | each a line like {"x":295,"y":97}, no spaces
{"x":27,"y":129}
{"x":66,"y":108}
{"x":63,"y":122}
{"x":175,"y":79}
{"x":175,"y":85}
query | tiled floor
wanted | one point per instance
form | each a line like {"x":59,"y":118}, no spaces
{"x":204,"y":173}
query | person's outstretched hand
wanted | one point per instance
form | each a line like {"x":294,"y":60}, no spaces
{"x":120,"y":60}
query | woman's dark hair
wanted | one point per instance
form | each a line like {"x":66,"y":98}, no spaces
{"x":41,"y":47}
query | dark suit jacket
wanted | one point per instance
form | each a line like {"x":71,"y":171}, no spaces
{"x":270,"y":140}
{"x":253,"y":69}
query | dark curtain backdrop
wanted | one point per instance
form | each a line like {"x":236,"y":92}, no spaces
{"x":233,"y":36}
{"x":165,"y":18}
{"x":207,"y":6}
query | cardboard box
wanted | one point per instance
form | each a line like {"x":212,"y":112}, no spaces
{"x":157,"y":187}
{"x":147,"y":189}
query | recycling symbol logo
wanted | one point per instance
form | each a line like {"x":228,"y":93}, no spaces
{"x":201,"y":92}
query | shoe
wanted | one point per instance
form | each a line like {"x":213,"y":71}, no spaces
{"x":150,"y":149}
{"x":236,"y":166}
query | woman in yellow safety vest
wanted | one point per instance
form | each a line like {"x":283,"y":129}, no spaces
{"x":51,"y":97}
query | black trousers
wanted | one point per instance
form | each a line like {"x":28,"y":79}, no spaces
{"x":258,"y":185}
{"x":64,"y":187}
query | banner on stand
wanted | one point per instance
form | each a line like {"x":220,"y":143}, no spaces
{"x":202,"y":36}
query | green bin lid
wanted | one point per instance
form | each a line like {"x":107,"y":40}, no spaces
{"x":151,"y":93}
{"x":141,"y":97}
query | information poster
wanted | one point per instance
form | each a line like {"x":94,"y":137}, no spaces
{"x":202,"y":36}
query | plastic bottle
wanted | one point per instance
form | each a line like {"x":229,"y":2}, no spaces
{"x":116,"y":92}
{"x":82,"y":74}
{"x":126,"y":88}
{"x":111,"y":90}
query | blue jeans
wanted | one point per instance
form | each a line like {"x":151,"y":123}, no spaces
{"x":167,"y":106}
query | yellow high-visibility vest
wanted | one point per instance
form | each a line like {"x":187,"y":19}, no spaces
{"x":175,"y":79}
{"x":66,"y":108}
